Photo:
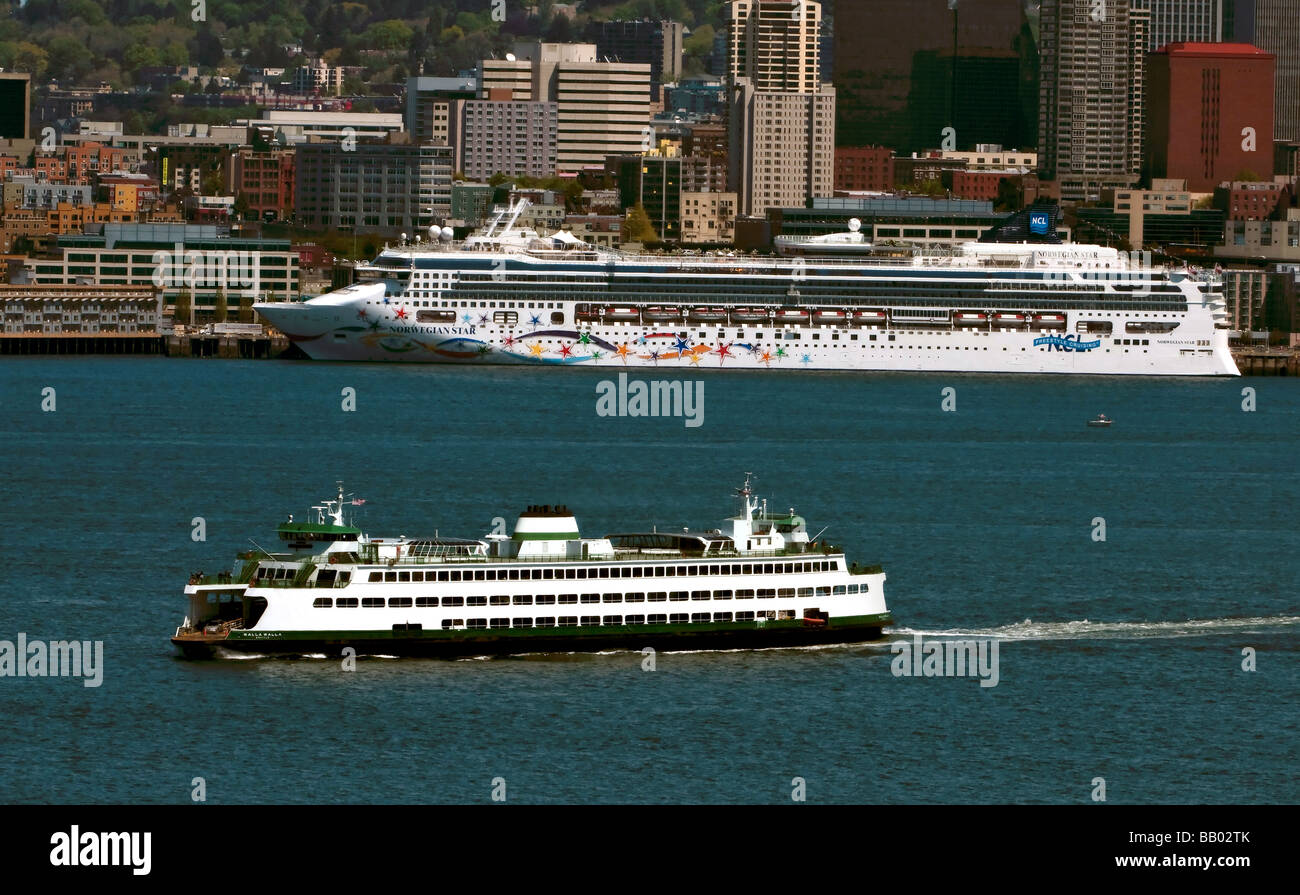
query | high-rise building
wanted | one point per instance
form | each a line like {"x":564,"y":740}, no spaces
{"x":655,"y":43}
{"x":1184,"y":21}
{"x":504,"y":136}
{"x":905,"y":70}
{"x":1210,"y":113}
{"x":428,"y":106}
{"x":603,"y":108}
{"x":780,"y":116}
{"x":15,"y":106}
{"x":1091,"y":108}
{"x":1274,"y":27}
{"x":387,"y":188}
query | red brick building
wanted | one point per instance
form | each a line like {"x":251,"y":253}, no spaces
{"x":1209,"y":112}
{"x":979,"y":184}
{"x":79,"y":165}
{"x":1245,"y":200}
{"x":864,"y":169}
{"x":265,"y":180}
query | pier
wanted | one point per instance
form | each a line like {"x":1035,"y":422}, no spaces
{"x":146,"y":343}
{"x":1267,"y":362}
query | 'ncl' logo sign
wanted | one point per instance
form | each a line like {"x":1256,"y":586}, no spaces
{"x":1038,"y":224}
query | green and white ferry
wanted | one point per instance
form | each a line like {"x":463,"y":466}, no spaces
{"x":758,"y":582}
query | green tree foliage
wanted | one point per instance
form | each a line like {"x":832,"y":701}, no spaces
{"x":637,"y":226}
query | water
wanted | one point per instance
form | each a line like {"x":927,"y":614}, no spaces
{"x":1119,"y":659}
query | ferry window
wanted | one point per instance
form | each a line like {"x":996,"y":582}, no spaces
{"x":657,"y":596}
{"x":591,"y":598}
{"x":447,"y":623}
{"x":570,"y":573}
{"x":523,"y":600}
{"x":403,"y":576}
{"x":568,"y":621}
{"x":479,"y":575}
{"x":500,"y":622}
{"x":853,"y":588}
{"x":634,"y":619}
{"x":444,"y":576}
{"x":546,"y":599}
{"x":399,"y":602}
{"x":611,"y":598}
{"x":376,"y":576}
{"x":345,"y":577}
{"x":322,"y":603}
{"x":635,"y":598}
{"x":417,"y":576}
{"x":747,"y":569}
{"x":823,"y":591}
{"x":613,"y":620}
{"x":425,"y":602}
{"x":372,"y":602}
{"x":671,"y":571}
{"x":678,"y":595}
{"x":766,"y":593}
{"x":548,"y":573}
{"x":346,"y":603}
{"x":390,"y":576}
{"x":491,"y":574}
{"x":714,"y":570}
{"x":582,"y":573}
{"x":805,"y":591}
{"x":570,"y":598}
{"x":547,"y":621}
{"x":864,"y":588}
{"x":453,"y":601}
{"x":785,"y":613}
{"x":840,"y":589}
{"x":722,"y":616}
{"x":557,"y":317}
{"x":699,"y":595}
{"x":767,"y":613}
{"x":693,"y":570}
{"x":521,"y":623}
{"x":722,"y":595}
{"x":657,"y":619}
{"x":659,"y":571}
{"x":744,"y":616}
{"x":591,"y":619}
{"x":744,"y":594}
{"x":785,"y":592}
{"x":476,"y":601}
{"x":700,"y":618}
{"x":604,"y":573}
{"x":514,"y":574}
{"x":536,"y":574}
{"x":500,"y":600}
{"x":455,"y":576}
{"x":678,"y":618}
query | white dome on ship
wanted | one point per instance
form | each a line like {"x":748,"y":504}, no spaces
{"x":446,"y":234}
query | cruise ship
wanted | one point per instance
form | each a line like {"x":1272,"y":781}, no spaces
{"x":759,"y":581}
{"x":1020,"y":303}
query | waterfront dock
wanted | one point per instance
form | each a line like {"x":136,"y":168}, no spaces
{"x":146,"y":343}
{"x":1267,"y":361}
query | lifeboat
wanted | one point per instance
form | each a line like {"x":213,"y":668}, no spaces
{"x":661,"y":314}
{"x":707,"y":315}
{"x":1049,"y":321}
{"x":829,"y":317}
{"x":750,"y":315}
{"x":868,"y":318}
{"x":1009,"y":319}
{"x":622,"y":313}
{"x":792,"y":315}
{"x":969,"y":318}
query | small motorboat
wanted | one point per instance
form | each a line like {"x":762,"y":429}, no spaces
{"x":1100,"y":421}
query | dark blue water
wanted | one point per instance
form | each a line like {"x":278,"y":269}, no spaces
{"x":1118,"y":659}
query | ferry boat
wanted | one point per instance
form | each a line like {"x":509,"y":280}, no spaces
{"x":757,"y":582}
{"x":513,"y":296}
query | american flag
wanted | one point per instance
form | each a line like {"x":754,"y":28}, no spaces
{"x":358,"y":501}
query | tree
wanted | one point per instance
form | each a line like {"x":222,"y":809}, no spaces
{"x":241,"y":205}
{"x":245,"y":309}
{"x":637,"y":226}
{"x":184,"y":309}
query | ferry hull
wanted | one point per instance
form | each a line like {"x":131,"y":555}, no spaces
{"x":516,"y":641}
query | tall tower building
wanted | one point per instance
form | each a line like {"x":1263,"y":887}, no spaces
{"x":1274,"y":27}
{"x":780,"y":116}
{"x":1091,"y":94}
{"x":1184,"y":21}
{"x":603,"y":108}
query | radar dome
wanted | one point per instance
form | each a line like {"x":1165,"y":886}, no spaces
{"x":854,"y":225}
{"x":447,"y":233}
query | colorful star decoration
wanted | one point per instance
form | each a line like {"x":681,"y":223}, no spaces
{"x":780,"y":352}
{"x":509,"y":341}
{"x":584,"y":338}
{"x":536,"y":349}
{"x":566,"y":350}
{"x":374,"y":325}
{"x":695,"y":358}
{"x":806,"y":359}
{"x":723,"y":352}
{"x":485,"y":349}
{"x":362,"y":315}
{"x":400,"y":313}
{"x":682,"y":345}
{"x":534,"y":320}
{"x":466,"y":318}
{"x":654,"y":356}
{"x":482,"y":319}
{"x":595,"y":355}
{"x":622,"y":352}
{"x":767,"y":358}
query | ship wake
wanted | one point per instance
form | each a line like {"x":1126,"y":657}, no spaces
{"x":1084,"y":629}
